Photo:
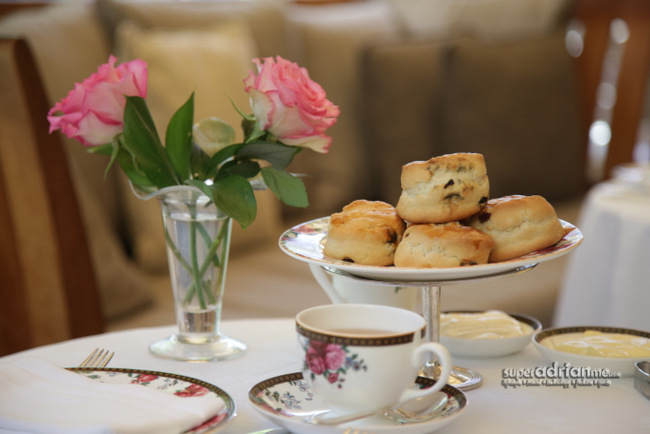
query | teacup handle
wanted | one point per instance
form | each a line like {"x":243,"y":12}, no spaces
{"x":325,"y":283}
{"x":444,"y":359}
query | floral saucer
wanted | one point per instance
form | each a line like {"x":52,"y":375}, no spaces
{"x":287,"y":401}
{"x":178,"y":385}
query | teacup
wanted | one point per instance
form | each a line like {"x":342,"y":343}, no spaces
{"x":360,"y":357}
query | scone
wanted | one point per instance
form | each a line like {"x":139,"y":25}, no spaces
{"x":442,"y":245}
{"x":443,"y":189}
{"x":518,"y":225}
{"x":364,"y":232}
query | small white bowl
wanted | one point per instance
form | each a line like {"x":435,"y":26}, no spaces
{"x":616,"y":365}
{"x":476,"y":348}
{"x":642,"y":378}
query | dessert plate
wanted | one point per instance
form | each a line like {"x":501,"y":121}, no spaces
{"x":287,"y":401}
{"x":616,"y":365}
{"x":305,"y":242}
{"x":171,"y":383}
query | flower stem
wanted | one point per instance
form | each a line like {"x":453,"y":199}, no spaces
{"x":213,"y":248}
{"x":211,"y":259}
{"x":176,"y":252}
{"x":196,"y":275}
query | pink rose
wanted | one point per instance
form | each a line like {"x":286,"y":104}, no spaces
{"x":192,"y":390}
{"x":289,"y":105}
{"x":315,"y":361}
{"x":318,"y":346}
{"x":93,"y":112}
{"x":145,"y":378}
{"x":334,"y":357}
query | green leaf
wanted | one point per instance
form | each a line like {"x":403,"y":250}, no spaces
{"x":199,"y":163}
{"x":201,"y":186}
{"x":288,"y":188}
{"x":141,"y":139}
{"x":247,"y":126}
{"x":106,"y":149}
{"x":221,"y":156}
{"x":178,"y":140}
{"x":213,"y":134}
{"x":241,"y":113}
{"x":235,"y":197}
{"x":125,"y":160}
{"x":252,"y":130}
{"x":111,"y":149}
{"x":246,"y":168}
{"x":278,"y":154}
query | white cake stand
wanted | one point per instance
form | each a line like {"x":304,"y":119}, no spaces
{"x":305,"y":243}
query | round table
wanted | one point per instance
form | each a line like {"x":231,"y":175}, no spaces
{"x":607,"y":281}
{"x":272,"y":351}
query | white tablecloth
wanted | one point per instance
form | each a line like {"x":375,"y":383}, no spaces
{"x":608,"y":276}
{"x":272,"y":351}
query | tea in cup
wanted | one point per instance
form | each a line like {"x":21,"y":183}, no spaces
{"x":359,"y":358}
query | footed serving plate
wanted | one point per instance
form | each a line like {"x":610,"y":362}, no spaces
{"x":305,"y":242}
{"x":287,"y":401}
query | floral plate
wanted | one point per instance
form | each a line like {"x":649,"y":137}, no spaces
{"x":287,"y":401}
{"x":305,"y":242}
{"x":616,"y":365}
{"x":171,"y":383}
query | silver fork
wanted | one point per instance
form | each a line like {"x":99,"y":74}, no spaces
{"x":97,"y":359}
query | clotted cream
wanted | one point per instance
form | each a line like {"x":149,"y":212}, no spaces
{"x":491,"y":324}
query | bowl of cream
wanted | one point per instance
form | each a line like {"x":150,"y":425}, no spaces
{"x":597,"y":348}
{"x":489,"y":333}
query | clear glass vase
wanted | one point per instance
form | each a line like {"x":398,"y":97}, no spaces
{"x":197,"y":236}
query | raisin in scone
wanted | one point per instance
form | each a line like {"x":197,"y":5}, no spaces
{"x":518,"y":225}
{"x":364,"y":232}
{"x":443,"y":189}
{"x":442,"y":245}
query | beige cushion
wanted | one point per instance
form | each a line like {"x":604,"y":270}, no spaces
{"x":266,"y":18}
{"x":517,"y":103}
{"x":514,"y":101}
{"x":487,"y":19}
{"x":212,"y":63}
{"x":402,"y":90}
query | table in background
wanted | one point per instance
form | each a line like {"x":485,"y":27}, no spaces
{"x":607,"y":280}
{"x":272,"y":351}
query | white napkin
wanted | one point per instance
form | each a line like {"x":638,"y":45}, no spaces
{"x":37,"y":396}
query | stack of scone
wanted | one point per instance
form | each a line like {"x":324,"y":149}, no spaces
{"x":448,"y":218}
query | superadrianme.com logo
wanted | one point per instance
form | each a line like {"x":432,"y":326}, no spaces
{"x":565,"y":376}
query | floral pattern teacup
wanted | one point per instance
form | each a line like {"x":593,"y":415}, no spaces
{"x":361,"y":357}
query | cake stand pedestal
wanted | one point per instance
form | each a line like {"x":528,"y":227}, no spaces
{"x":461,"y":378}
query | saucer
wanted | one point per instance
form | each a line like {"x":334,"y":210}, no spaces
{"x":287,"y":401}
